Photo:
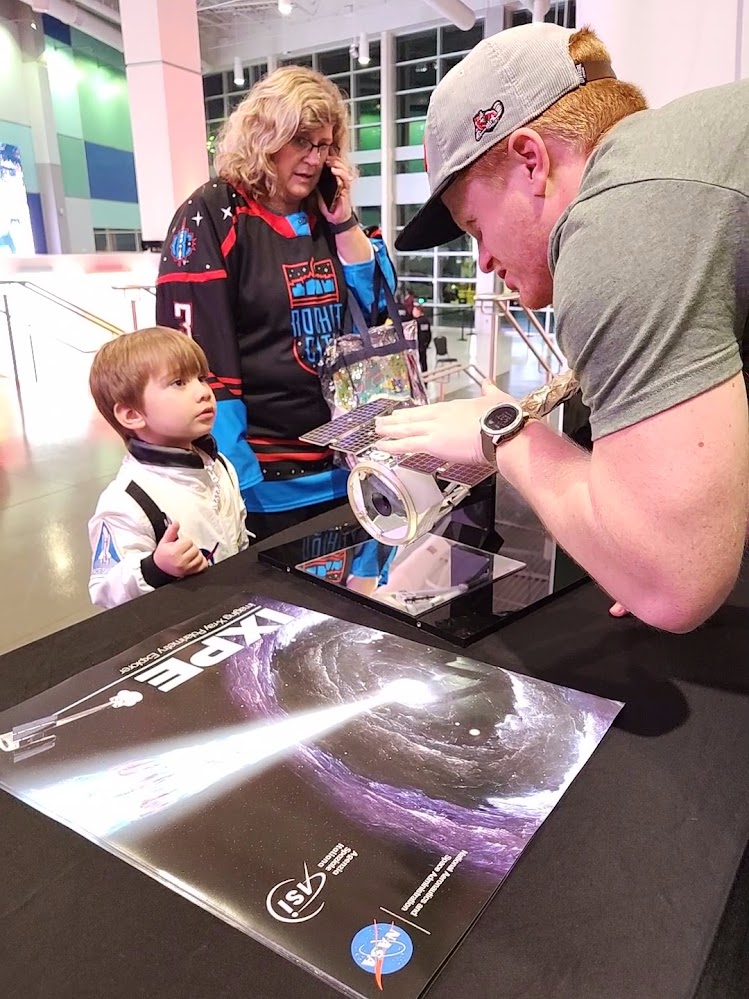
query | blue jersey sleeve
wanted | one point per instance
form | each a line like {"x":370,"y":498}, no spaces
{"x":360,"y":278}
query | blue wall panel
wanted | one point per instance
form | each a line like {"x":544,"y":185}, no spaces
{"x":37,"y":222}
{"x":111,"y":173}
{"x":55,"y":29}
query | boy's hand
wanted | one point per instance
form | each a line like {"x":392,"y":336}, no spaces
{"x":178,"y":556}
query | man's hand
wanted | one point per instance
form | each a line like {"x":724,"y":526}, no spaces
{"x":178,"y":556}
{"x":448,"y":430}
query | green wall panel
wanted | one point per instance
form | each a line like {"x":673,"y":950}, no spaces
{"x":74,"y":168}
{"x":105,"y":110}
{"x":97,"y":51}
{"x":20,"y":136}
{"x":63,"y":82}
{"x":114,"y":215}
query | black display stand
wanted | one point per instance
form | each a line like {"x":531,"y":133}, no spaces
{"x":493,"y":518}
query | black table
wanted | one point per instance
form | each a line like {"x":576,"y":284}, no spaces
{"x":634,"y":887}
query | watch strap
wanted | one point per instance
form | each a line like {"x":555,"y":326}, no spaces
{"x":351,"y":223}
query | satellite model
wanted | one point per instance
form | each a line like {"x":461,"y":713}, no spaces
{"x":399,"y":498}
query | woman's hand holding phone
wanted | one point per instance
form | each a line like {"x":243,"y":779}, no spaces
{"x":338,"y":209}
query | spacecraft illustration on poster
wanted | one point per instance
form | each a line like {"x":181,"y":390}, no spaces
{"x":363,"y":796}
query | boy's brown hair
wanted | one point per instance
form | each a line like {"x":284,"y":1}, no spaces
{"x":122,"y":367}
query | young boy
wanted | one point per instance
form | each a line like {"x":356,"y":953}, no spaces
{"x":175,"y":506}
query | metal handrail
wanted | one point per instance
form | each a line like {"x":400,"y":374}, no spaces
{"x":63,"y":303}
{"x":500,"y":309}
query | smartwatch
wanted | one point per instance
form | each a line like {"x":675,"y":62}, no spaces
{"x":500,"y":424}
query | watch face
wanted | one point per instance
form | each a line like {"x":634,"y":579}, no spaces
{"x":500,"y":418}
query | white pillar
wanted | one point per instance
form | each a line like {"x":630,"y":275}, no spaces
{"x":387,"y":133}
{"x":36,"y":87}
{"x":494,"y":19}
{"x":162,"y":57}
{"x":672,"y":47}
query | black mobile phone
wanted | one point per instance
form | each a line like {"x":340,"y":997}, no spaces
{"x":328,"y":187}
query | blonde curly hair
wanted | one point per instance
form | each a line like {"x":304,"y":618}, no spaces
{"x":289,"y":100}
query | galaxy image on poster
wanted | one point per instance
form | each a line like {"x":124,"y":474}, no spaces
{"x":348,"y":798}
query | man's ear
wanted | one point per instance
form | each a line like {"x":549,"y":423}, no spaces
{"x":527,"y":150}
{"x":129,"y":417}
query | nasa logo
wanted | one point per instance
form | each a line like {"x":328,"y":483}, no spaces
{"x":381,"y":949}
{"x":288,"y":901}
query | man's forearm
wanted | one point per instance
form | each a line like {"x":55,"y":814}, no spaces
{"x":611,"y":534}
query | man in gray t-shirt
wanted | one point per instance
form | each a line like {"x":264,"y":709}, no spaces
{"x":636,"y":224}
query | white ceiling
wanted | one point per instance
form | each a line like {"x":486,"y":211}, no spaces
{"x":252,"y":29}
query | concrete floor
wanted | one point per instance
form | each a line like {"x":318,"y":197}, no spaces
{"x":56,"y":456}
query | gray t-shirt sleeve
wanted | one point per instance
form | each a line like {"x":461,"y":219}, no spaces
{"x":650,"y":290}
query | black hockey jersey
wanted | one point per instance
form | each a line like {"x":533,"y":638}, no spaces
{"x":263,"y":294}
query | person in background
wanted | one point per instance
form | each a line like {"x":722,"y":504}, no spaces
{"x":175,"y":506}
{"x":257,"y":267}
{"x":424,"y":334}
{"x":635,"y":223}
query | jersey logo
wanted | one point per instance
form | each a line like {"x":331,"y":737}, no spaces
{"x":487,"y":121}
{"x":330,"y":567}
{"x":105,"y":554}
{"x":316,"y":310}
{"x":311,"y":282}
{"x":184,"y":243}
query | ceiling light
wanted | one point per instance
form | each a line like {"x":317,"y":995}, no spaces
{"x":364,"y":59}
{"x":285,"y":7}
{"x":238,"y":72}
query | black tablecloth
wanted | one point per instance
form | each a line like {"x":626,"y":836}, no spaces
{"x":620,"y":894}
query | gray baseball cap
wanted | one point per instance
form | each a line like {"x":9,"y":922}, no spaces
{"x":502,"y":84}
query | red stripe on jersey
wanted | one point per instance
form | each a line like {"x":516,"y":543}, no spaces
{"x":301,"y":363}
{"x":278,"y":223}
{"x":229,"y":240}
{"x":265,"y":459}
{"x":192,"y":278}
{"x":275,"y":441}
{"x":229,"y":381}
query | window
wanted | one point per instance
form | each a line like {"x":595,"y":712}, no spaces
{"x":416,"y":75}
{"x":454,"y":40}
{"x":409,"y":166}
{"x":366,"y":112}
{"x":369,"y":169}
{"x":563,"y":13}
{"x":463,"y":243}
{"x":419,"y":266}
{"x":117,"y":240}
{"x":419,"y":46}
{"x":214,"y":107}
{"x":336,"y":61}
{"x":413,"y":105}
{"x":222,"y":95}
{"x":213,"y":85}
{"x":453,"y":266}
{"x":410,"y":133}
{"x":404,"y":214}
{"x":297,"y":60}
{"x":369,"y":215}
{"x":367,"y":84}
{"x":367,"y":138}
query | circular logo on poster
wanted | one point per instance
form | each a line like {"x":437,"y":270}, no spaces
{"x":381,"y":949}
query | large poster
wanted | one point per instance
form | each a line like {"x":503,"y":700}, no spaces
{"x":16,"y":236}
{"x":348,"y":798}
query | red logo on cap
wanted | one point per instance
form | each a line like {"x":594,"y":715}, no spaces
{"x":487,"y":121}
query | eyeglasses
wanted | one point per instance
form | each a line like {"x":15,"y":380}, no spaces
{"x":303,"y":145}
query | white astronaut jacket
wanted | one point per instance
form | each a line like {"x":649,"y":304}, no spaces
{"x":156,"y":485}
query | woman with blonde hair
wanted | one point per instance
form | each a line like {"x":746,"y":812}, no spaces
{"x":257,"y":267}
